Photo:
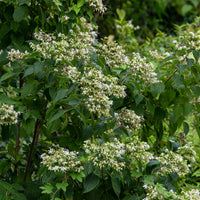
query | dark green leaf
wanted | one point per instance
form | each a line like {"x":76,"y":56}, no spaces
{"x":116,"y":184}
{"x":196,"y":55}
{"x":157,"y":88}
{"x":196,"y":90}
{"x":90,"y":183}
{"x":20,"y":13}
{"x":57,"y":115}
{"x":6,"y":76}
{"x":190,"y":61}
{"x":186,"y":128}
{"x":60,"y":95}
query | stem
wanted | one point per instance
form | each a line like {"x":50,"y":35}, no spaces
{"x":31,"y":151}
{"x":17,"y":144}
{"x":18,"y":125}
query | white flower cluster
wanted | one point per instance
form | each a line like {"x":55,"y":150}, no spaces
{"x":114,"y":54}
{"x":79,"y":44}
{"x":118,"y":155}
{"x":172,"y":162}
{"x":61,"y":159}
{"x":137,"y":151}
{"x":97,"y":5}
{"x":188,"y":40}
{"x":97,"y":88}
{"x":143,"y":69}
{"x":155,"y":192}
{"x":193,"y":194}
{"x":128,"y":120}
{"x":159,"y":56}
{"x":14,"y":54}
{"x":8,"y":115}
{"x":188,"y":152}
{"x":107,"y":155}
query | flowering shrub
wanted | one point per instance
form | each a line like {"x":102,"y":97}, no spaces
{"x":96,"y":118}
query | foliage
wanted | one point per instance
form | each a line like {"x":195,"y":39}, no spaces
{"x":85,"y":117}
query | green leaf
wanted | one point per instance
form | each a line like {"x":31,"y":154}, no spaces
{"x":195,"y":2}
{"x":3,"y":57}
{"x":178,"y":112}
{"x":22,"y":2}
{"x":190,"y":62}
{"x":62,"y":186}
{"x":196,"y":90}
{"x":80,"y":3}
{"x":20,"y":13}
{"x":47,"y":189}
{"x":196,"y":55}
{"x":186,"y":128}
{"x":37,"y":67}
{"x":197,"y":173}
{"x":60,"y":95}
{"x":139,"y":98}
{"x":90,"y":183}
{"x":149,"y":180}
{"x":157,"y":88}
{"x":178,"y":80}
{"x":116,"y":184}
{"x":135,"y":173}
{"x":30,"y":88}
{"x":58,"y":198}
{"x":121,"y":13}
{"x":181,"y":68}
{"x":185,"y":9}
{"x":6,"y":76}
{"x":57,"y":115}
{"x":28,"y":71}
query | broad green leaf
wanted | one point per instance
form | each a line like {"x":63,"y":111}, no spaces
{"x":196,"y":55}
{"x":57,"y":115}
{"x":27,"y":2}
{"x":188,"y":109}
{"x":30,"y":88}
{"x":80,"y":3}
{"x":28,"y":71}
{"x":136,"y":174}
{"x":121,"y":13}
{"x":181,"y":68}
{"x":185,"y":127}
{"x":20,"y":13}
{"x":62,"y":186}
{"x":3,"y":57}
{"x":60,"y":95}
{"x":131,"y":197}
{"x":37,"y":67}
{"x":116,"y":184}
{"x":139,"y":98}
{"x":178,"y":81}
{"x":196,"y":90}
{"x":6,"y":76}
{"x":189,"y":61}
{"x":177,"y":112}
{"x":195,"y":2}
{"x":58,"y":198}
{"x":91,"y":183}
{"x":157,"y":88}
{"x":185,"y":9}
{"x":149,"y":180}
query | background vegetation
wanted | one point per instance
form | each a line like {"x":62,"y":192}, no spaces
{"x":99,"y":100}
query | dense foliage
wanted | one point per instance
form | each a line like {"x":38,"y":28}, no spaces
{"x":86,"y":117}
